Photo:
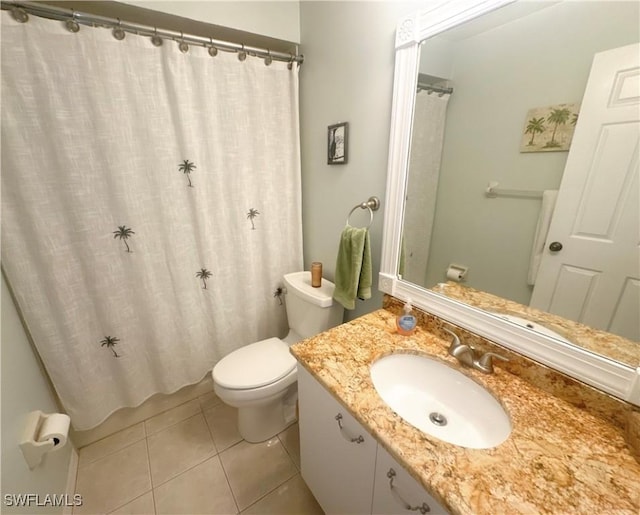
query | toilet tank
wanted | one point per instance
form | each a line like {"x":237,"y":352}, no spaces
{"x":310,"y":310}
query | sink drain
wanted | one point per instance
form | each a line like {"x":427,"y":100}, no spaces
{"x":438,"y":419}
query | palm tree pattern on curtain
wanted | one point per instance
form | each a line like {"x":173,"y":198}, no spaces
{"x":203,"y":274}
{"x":110,"y":341}
{"x":252,"y":215}
{"x":124,"y":233}
{"x":187,"y":167}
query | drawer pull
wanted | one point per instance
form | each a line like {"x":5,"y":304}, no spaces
{"x":358,"y":439}
{"x":423,"y":508}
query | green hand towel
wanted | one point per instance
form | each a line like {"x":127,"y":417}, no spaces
{"x":353,"y":267}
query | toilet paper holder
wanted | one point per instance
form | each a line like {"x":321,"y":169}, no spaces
{"x":43,"y":433}
{"x":456,"y":272}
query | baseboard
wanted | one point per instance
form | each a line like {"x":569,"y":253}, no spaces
{"x":71,"y":481}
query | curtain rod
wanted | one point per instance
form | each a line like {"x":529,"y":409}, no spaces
{"x":435,"y":89}
{"x":20,"y":11}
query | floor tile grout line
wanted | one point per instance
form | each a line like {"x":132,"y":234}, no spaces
{"x":80,"y":467}
{"x":132,"y":500}
{"x":153,"y":494}
{"x":144,"y":430}
{"x":226,"y":476}
{"x":212,"y":406}
{"x":137,"y":442}
{"x":174,"y":423}
{"x":180,"y":422}
{"x":111,"y":434}
{"x":210,"y":432}
{"x":286,"y":449}
{"x":297,"y":473}
{"x":232,"y":445}
{"x":109,"y":453}
{"x":75,"y":483}
{"x":143,"y":493}
{"x":214,"y":438}
{"x":271,"y":491}
{"x":207,"y":458}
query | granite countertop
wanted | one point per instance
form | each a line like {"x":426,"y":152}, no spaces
{"x":558,"y":458}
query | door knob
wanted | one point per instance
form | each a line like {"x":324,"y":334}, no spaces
{"x":555,"y":246}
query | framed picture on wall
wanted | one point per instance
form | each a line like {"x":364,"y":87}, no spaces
{"x":550,"y":128}
{"x":337,"y":143}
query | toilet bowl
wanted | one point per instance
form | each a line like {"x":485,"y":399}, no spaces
{"x":260,"y":379}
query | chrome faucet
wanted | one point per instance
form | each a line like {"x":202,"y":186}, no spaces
{"x":467,"y":355}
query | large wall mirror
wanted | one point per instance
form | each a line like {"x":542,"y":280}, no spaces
{"x":488,"y":94}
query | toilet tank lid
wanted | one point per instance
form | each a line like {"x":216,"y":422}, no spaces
{"x":299,"y":283}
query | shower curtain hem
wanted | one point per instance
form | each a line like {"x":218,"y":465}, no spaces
{"x":141,"y":403}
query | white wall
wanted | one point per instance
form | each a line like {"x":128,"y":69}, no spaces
{"x":276,"y":19}
{"x":540,"y":60}
{"x":347,"y":76}
{"x":24,"y":389}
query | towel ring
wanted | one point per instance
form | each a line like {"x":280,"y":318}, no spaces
{"x":373,"y":204}
{"x":370,"y":215}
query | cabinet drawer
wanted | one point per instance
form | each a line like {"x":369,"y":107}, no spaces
{"x":396,"y":492}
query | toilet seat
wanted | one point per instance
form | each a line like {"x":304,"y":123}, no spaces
{"x":256,"y":365}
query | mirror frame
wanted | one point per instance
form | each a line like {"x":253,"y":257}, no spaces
{"x":612,"y":377}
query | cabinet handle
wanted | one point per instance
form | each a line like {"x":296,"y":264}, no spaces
{"x":358,"y":439}
{"x":422,"y":508}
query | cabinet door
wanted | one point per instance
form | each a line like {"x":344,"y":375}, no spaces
{"x":337,"y":455}
{"x":396,"y":492}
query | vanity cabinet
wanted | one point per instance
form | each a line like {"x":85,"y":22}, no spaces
{"x":337,"y":463}
{"x":345,"y":467}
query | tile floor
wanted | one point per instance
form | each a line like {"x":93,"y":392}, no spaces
{"x":192,"y":460}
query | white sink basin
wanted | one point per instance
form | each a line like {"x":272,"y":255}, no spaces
{"x":440,"y":401}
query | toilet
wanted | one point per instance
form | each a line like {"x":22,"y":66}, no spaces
{"x":260,"y":379}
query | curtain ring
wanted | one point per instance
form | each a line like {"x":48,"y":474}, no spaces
{"x":184,"y":48}
{"x":268,"y":60}
{"x":155,"y":39}
{"x":290,"y":63}
{"x":213,"y":51}
{"x":71,"y":24}
{"x":118,"y":32}
{"x":242,"y":54}
{"x":20,"y":15}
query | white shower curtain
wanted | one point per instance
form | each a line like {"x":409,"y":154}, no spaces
{"x":424,"y":173}
{"x":150,"y":206}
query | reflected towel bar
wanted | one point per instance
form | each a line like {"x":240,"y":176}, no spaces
{"x":493,"y":191}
